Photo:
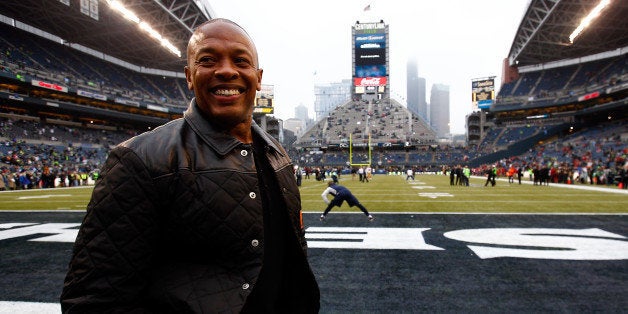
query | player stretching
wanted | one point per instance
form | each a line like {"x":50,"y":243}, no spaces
{"x":341,"y":194}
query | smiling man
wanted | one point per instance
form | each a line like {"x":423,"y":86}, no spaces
{"x":223,"y":72}
{"x":202,"y":214}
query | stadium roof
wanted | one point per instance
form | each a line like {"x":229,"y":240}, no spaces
{"x":543,"y":35}
{"x":111,"y":33}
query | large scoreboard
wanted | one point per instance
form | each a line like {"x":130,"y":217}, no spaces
{"x":370,"y":58}
{"x":483,"y":92}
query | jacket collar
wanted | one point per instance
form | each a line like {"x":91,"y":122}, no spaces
{"x":220,"y":141}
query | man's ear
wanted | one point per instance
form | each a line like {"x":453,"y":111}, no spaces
{"x":188,"y":77}
{"x":260,"y":73}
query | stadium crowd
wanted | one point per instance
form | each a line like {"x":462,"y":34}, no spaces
{"x":595,"y":155}
{"x":33,"y":150}
{"x":46,"y":156}
{"x":36,"y":155}
{"x":23,"y":55}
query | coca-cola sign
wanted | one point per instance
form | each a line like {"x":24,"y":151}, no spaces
{"x":52,"y":86}
{"x":369,"y":81}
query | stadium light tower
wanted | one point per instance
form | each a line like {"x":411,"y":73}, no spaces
{"x":588,"y":19}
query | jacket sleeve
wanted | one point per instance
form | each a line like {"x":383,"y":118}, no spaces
{"x":324,"y":195}
{"x":116,"y":240}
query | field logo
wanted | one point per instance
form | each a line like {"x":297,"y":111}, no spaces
{"x":58,"y":231}
{"x":368,"y":238}
{"x":533,"y":243}
{"x":543,"y":243}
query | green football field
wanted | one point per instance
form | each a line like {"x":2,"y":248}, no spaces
{"x":387,"y":193}
{"x":433,"y":193}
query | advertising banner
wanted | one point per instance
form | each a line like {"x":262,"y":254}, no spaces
{"x":369,"y":81}
{"x":47,"y":85}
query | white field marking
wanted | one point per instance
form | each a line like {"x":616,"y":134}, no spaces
{"x":16,"y":224}
{"x":317,"y":212}
{"x":67,"y":188}
{"x":415,"y":182}
{"x":534,"y":243}
{"x":11,"y":307}
{"x":43,"y":196}
{"x":568,"y":186}
{"x":493,"y":202}
{"x":59,"y":232}
{"x":544,"y":243}
{"x":368,"y":238}
{"x":50,"y":202}
{"x":581,"y":196}
{"x":435,"y":195}
{"x":531,"y":243}
{"x":42,"y":211}
{"x":423,"y":187}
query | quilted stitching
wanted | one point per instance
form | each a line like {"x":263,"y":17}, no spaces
{"x":188,"y":217}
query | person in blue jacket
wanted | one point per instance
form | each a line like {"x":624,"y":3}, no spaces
{"x":341,"y":194}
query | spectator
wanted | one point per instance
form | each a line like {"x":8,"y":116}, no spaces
{"x":208,"y":220}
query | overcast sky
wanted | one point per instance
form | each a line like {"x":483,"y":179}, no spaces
{"x":306,"y":43}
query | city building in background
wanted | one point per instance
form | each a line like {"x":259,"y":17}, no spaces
{"x":301,"y":113}
{"x":329,"y":96}
{"x":423,"y":105}
{"x":439,"y":110}
{"x":412,"y":86}
{"x":416,"y":90}
{"x":297,"y":126}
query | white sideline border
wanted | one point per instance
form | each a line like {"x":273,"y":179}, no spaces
{"x":587,"y":187}
{"x":12,"y":307}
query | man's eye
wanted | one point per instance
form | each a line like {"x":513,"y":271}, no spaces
{"x":242,"y":62}
{"x":205,"y":61}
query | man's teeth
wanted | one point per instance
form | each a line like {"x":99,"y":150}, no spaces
{"x":227,"y":92}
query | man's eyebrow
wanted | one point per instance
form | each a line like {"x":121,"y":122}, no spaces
{"x":236,"y":51}
{"x":205,"y":50}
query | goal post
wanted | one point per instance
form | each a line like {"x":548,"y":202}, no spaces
{"x":359,"y":162}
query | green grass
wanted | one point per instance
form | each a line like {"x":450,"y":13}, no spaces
{"x":429,"y":193}
{"x":75,"y":198}
{"x":432,"y":193}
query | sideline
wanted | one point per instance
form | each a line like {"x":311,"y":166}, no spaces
{"x":59,"y":188}
{"x":11,"y":307}
{"x":568,"y":186}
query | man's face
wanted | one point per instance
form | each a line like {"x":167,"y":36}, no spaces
{"x":223,"y":73}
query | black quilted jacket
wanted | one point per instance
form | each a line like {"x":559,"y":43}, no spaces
{"x":174,"y":226}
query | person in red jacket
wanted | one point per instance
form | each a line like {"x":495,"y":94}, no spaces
{"x":511,"y":174}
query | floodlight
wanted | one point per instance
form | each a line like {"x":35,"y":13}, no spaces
{"x":128,"y":14}
{"x":587,"y":20}
{"x":152,"y":32}
{"x":143,"y":25}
